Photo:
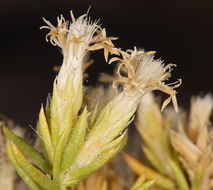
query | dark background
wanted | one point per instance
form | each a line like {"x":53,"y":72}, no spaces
{"x":180,"y":31}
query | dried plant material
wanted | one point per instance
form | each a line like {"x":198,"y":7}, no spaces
{"x":146,"y":74}
{"x":103,"y":42}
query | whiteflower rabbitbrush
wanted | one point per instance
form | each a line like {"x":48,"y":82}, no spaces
{"x":75,"y":145}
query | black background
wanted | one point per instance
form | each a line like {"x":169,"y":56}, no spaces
{"x":180,"y":31}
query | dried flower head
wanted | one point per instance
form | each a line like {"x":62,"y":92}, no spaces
{"x":72,"y":37}
{"x":103,"y":42}
{"x":146,"y":74}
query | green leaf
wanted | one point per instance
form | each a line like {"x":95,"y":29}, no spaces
{"x":146,"y":185}
{"x":58,"y":156}
{"x":75,"y":141}
{"x":47,"y":108}
{"x":20,"y":171}
{"x":179,"y":176}
{"x":36,"y":175}
{"x":43,"y":131}
{"x":33,"y":154}
{"x":99,"y":125}
{"x":112,"y":144}
{"x":54,"y":125}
